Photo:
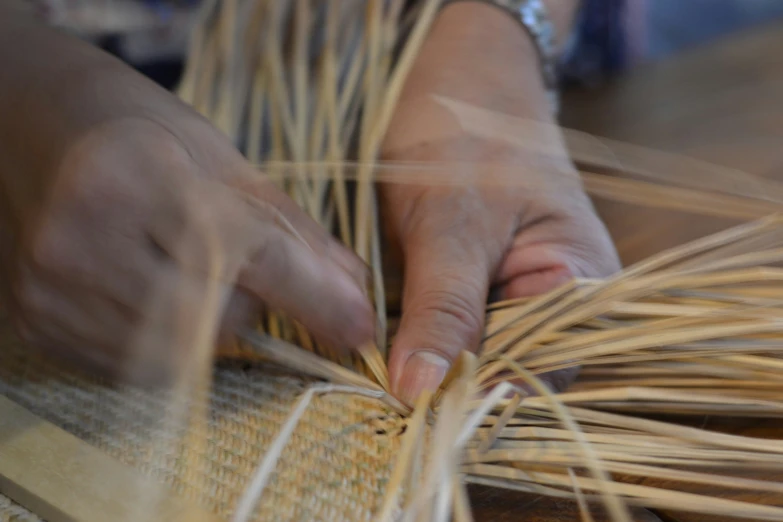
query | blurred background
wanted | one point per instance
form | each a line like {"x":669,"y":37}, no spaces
{"x":703,"y":85}
{"x":699,"y":79}
{"x":152,"y":34}
{"x":676,"y":25}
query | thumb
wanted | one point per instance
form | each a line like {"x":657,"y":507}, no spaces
{"x":444,"y":300}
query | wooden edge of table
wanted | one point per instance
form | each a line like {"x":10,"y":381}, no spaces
{"x":61,"y":478}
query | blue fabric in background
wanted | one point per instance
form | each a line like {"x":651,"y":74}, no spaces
{"x":675,"y":25}
{"x":164,"y":7}
{"x":598,"y":47}
{"x":671,"y":26}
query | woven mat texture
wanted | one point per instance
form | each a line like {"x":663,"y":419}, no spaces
{"x":334,"y":467}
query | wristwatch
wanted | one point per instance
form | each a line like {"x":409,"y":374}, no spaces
{"x":533,"y":16}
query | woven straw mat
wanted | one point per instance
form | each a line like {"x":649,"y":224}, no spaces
{"x":333,"y":468}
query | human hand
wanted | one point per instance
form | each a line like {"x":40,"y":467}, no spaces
{"x":109,"y":253}
{"x":459,"y":242}
{"x":519,"y":238}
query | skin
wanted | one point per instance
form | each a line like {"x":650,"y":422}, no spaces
{"x":459,"y":242}
{"x":116,"y":195}
{"x":116,"y":199}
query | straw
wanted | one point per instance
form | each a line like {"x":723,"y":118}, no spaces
{"x":308,"y":89}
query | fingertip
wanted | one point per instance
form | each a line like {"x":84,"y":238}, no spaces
{"x":537,"y":282}
{"x":423,"y":371}
{"x":313,"y":288}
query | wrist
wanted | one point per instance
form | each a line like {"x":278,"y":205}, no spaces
{"x":534,"y":19}
{"x":479,"y":54}
{"x":476,"y":54}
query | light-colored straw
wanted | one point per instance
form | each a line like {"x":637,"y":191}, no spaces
{"x":289,"y":429}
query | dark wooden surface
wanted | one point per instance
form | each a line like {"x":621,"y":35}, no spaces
{"x":501,"y":506}
{"x":752,"y":428}
{"x":721,"y":103}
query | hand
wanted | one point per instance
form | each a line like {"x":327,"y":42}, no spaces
{"x":109,"y":252}
{"x":458,"y":242}
{"x":519,"y":239}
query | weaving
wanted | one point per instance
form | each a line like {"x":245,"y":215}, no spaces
{"x":692,"y":331}
{"x":339,"y":458}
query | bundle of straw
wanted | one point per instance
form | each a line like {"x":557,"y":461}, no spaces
{"x":291,"y":430}
{"x":672,"y":335}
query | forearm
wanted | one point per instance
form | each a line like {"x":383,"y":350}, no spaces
{"x":481,"y":55}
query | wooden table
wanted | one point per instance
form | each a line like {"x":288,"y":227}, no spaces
{"x":722,"y":103}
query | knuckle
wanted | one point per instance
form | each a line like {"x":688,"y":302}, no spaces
{"x":113,"y":165}
{"x":454,"y":311}
{"x":432,"y":213}
{"x":592,"y":249}
{"x":82,"y":165}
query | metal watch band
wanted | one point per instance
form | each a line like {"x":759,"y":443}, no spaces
{"x":533,"y":16}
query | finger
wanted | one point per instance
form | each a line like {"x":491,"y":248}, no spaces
{"x":256,"y":187}
{"x":93,"y":232}
{"x":533,"y":270}
{"x":444,"y":296}
{"x":533,"y":267}
{"x":58,"y":329}
{"x":555,"y":250}
{"x":239,"y":240}
{"x":190,"y":223}
{"x":86,"y":312}
{"x":179,"y":344}
{"x":285,"y":274}
{"x":73,"y":324}
{"x":58,"y":343}
{"x":78,"y":325}
{"x":529,"y":271}
{"x":285,"y":213}
{"x":105,"y":264}
{"x":240,"y":312}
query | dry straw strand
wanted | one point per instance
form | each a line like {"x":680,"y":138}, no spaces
{"x":307,"y":90}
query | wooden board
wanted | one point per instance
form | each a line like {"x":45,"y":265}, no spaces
{"x":63,"y":479}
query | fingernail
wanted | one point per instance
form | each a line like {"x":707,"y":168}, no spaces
{"x":423,"y":371}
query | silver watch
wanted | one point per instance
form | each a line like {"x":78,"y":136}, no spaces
{"x":533,"y":16}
